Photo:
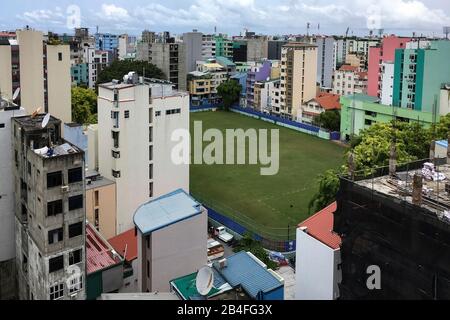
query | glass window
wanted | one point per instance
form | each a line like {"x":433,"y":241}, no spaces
{"x":56,"y":263}
{"x":54,"y":208}
{"x":75,"y":229}
{"x":55,"y":236}
{"x":54,"y":179}
{"x":75,"y":175}
{"x":76,"y":202}
{"x":75,"y":257}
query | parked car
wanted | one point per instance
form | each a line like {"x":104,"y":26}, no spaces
{"x":223,"y":235}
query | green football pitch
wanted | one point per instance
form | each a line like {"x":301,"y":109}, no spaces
{"x":268,"y":205}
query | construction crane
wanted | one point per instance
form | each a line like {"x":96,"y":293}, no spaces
{"x":346,"y":32}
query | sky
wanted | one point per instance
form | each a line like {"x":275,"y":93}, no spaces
{"x":230,"y":16}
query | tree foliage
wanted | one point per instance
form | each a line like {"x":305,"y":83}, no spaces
{"x":328,"y":188}
{"x":84,"y":105}
{"x":229,"y":91}
{"x":330,"y":119}
{"x":118,"y":69}
{"x":248,"y":243}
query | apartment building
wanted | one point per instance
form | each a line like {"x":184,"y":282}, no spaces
{"x":383,"y":52}
{"x":50,"y":211}
{"x":262,"y":95}
{"x":208,"y":46}
{"x":298,"y":77}
{"x":274,"y":49}
{"x":224,"y":46}
{"x":41,"y":71}
{"x":193,"y":42}
{"x":419,"y":74}
{"x":101,"y":204}
{"x":148,"y":36}
{"x":257,"y":49}
{"x":107,"y":42}
{"x":172,"y":239}
{"x":171,"y":59}
{"x":96,"y":61}
{"x":217,"y":72}
{"x":200,"y":85}
{"x":136,"y":120}
{"x":326,"y":61}
{"x":259,"y":71}
{"x":349,"y":80}
{"x":126,"y":47}
{"x":324,"y":101}
{"x":8,"y":288}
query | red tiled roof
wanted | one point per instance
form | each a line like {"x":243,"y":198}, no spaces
{"x":362,"y":74}
{"x":320,"y":226}
{"x":347,"y":67}
{"x":328,"y":101}
{"x":98,"y":252}
{"x":126,"y":240}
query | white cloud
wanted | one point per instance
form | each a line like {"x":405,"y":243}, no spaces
{"x":113,"y":12}
{"x":46,"y":16}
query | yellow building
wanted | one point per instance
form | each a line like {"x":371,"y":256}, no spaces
{"x":200,"y":87}
{"x":101,"y":204}
{"x":298,"y":77}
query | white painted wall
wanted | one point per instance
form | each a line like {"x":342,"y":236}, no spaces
{"x":316,"y":271}
{"x":7,"y":241}
{"x":133,"y":185}
{"x":387,"y":83}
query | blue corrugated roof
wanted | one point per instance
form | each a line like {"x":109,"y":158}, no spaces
{"x":243,"y":270}
{"x":165,"y":210}
{"x":225,"y":61}
{"x":442,"y":143}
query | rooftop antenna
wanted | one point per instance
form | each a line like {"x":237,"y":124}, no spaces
{"x":307,"y":28}
{"x":204,"y":281}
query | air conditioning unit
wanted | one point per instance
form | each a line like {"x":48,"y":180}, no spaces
{"x":65,"y":189}
{"x":73,"y":296}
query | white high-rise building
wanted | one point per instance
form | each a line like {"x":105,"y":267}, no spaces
{"x":7,"y":241}
{"x":136,"y":120}
{"x":387,"y":83}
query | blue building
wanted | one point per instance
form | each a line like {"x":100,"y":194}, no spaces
{"x":239,"y":275}
{"x":106,"y":41}
{"x":241,"y":78}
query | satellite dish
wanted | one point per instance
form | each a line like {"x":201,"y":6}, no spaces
{"x":204,"y":281}
{"x":45,"y":120}
{"x":16,"y":94}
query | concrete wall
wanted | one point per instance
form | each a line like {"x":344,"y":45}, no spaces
{"x":316,"y":269}
{"x":106,"y":207}
{"x":387,"y":80}
{"x":32,"y":69}
{"x":193,"y":44}
{"x":326,"y":63}
{"x":59,"y":82}
{"x":6,"y":72}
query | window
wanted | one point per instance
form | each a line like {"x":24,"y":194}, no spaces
{"x":57,"y":291}
{"x":55,"y":236}
{"x":127,"y":114}
{"x":150,"y":187}
{"x":2,"y":125}
{"x":75,"y":257}
{"x":96,"y":217}
{"x":115,"y":136}
{"x":60,"y":56}
{"x":173,"y":111}
{"x":150,"y":153}
{"x":76,"y":202}
{"x":75,"y":284}
{"x":75,"y":175}
{"x":157,"y":113}
{"x":150,"y":134}
{"x":115,"y":154}
{"x":56,"y":263}
{"x":116,"y":174}
{"x":150,"y":171}
{"x":150,"y":115}
{"x":54,"y":179}
{"x":54,"y":208}
{"x":96,"y":194}
{"x":75,"y":229}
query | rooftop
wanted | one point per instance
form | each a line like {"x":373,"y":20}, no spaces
{"x":363,"y":98}
{"x":94,"y":180}
{"x":328,"y":101}
{"x":165,"y":210}
{"x":125,"y":244}
{"x":299,"y":45}
{"x":320,"y":226}
{"x":164,"y":296}
{"x":347,"y":67}
{"x":100,"y":254}
{"x":435,"y":185}
{"x":244,"y":270}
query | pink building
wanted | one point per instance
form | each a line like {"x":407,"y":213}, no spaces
{"x":377,"y":55}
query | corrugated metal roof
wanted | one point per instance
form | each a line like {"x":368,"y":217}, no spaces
{"x":126,"y":241}
{"x":99,"y":254}
{"x":165,"y":210}
{"x":320,"y":226}
{"x":242,"y":270}
{"x":442,"y":143}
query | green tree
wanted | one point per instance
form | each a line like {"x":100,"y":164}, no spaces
{"x":120,"y":68}
{"x":229,"y":91}
{"x":328,"y":188}
{"x":248,"y":243}
{"x":84,"y":105}
{"x":330,"y":119}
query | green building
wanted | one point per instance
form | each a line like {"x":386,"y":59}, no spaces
{"x":224,"y":47}
{"x":360,"y":111}
{"x":80,"y":74}
{"x":419,"y":74}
